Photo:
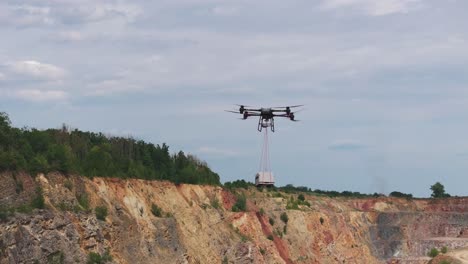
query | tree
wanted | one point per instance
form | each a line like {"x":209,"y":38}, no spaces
{"x":438,"y":191}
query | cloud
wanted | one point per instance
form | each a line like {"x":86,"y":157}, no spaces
{"x":35,"y":95}
{"x":37,"y":70}
{"x":225,"y":10}
{"x":373,"y":7}
{"x":345,"y":145}
{"x":217,"y":151}
{"x":55,"y":12}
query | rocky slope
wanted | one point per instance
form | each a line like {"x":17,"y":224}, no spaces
{"x":198,"y":226}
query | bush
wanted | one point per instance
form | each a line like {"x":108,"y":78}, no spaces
{"x":433,"y":253}
{"x":301,"y":197}
{"x":272,"y":221}
{"x":401,"y":195}
{"x":83,"y":201}
{"x":444,"y":250}
{"x":56,"y":258}
{"x":215,"y":203}
{"x":38,"y":201}
{"x":262,"y":211}
{"x":96,"y":258}
{"x":241,"y":204}
{"x":270,"y":237}
{"x":101,"y":212}
{"x":321,"y":220}
{"x":284,"y":217}
{"x":262,"y":251}
{"x":156,"y":211}
{"x":68,"y":184}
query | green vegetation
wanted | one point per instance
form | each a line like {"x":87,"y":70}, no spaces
{"x":301,"y":197}
{"x":241,"y":204}
{"x":272,"y":221}
{"x":38,"y":200}
{"x":215,"y":203}
{"x":289,"y":188}
{"x":262,"y":251}
{"x":96,"y":258}
{"x":284,"y":217}
{"x":401,"y":195}
{"x":101,"y":212}
{"x":238,"y":184}
{"x":261,"y":212}
{"x":83,"y":201}
{"x":95,"y":154}
{"x":444,"y":250}
{"x":225,"y":260}
{"x":321,"y":220}
{"x":156,"y":210}
{"x":270,"y":237}
{"x":56,"y":258}
{"x":294,"y":204}
{"x":68,"y":184}
{"x":433,"y":253}
{"x":438,"y":191}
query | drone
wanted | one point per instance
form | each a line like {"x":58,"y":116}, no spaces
{"x":267,"y":115}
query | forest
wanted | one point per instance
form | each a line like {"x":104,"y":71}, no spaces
{"x":95,"y":154}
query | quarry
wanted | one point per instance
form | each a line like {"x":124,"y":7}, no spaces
{"x":163,"y":222}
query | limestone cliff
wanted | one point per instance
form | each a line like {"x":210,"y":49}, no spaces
{"x":196,"y":224}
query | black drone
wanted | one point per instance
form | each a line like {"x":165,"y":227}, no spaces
{"x":266,"y":115}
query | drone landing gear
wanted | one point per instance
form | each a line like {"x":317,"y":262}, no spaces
{"x":265,"y":123}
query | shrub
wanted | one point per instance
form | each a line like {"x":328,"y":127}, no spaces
{"x":96,"y":258}
{"x":433,"y":253}
{"x":270,"y":237}
{"x":84,"y":201}
{"x":241,"y":204}
{"x":301,"y":197}
{"x":285,"y":229}
{"x":156,"y":211}
{"x":56,"y":258}
{"x":262,"y":251}
{"x":215,"y":203}
{"x":68,"y":184}
{"x":38,"y":200}
{"x":444,"y":250}
{"x":101,"y":212}
{"x":262,"y":211}
{"x":272,"y":221}
{"x":321,"y":220}
{"x":284,"y":217}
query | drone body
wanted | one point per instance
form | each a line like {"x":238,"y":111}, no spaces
{"x":266,"y":115}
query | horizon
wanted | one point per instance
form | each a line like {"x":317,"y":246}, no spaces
{"x":383,"y":83}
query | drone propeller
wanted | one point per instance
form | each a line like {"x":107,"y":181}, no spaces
{"x":243,"y":105}
{"x":292,"y":106}
{"x":235,"y":112}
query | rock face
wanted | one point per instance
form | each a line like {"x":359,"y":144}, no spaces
{"x":194,"y":224}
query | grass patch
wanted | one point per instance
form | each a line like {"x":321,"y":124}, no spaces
{"x":101,"y":212}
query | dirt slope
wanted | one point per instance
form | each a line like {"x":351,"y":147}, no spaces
{"x":198,"y":225}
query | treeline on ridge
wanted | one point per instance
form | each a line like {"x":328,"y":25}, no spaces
{"x":95,"y":154}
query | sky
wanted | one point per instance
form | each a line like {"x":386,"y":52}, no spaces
{"x":384,"y":83}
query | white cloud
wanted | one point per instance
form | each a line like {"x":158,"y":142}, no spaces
{"x":217,"y":151}
{"x":37,"y":69}
{"x":71,"y":36}
{"x":36,"y":95}
{"x":225,"y":10}
{"x":343,"y":145}
{"x":373,"y":7}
